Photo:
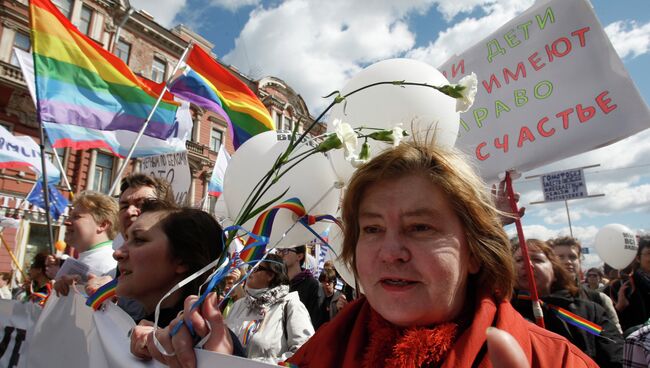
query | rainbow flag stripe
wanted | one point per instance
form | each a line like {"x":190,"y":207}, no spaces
{"x":208,"y":84}
{"x":264,"y":225}
{"x":80,"y":83}
{"x":104,"y":293}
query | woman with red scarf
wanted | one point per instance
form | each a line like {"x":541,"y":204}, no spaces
{"x":434,"y":264}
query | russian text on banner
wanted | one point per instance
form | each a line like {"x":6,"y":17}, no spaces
{"x":206,"y":83}
{"x":79,"y":83}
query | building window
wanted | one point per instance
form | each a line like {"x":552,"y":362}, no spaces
{"x":49,"y":153}
{"x":84,"y":20}
{"x":216,"y":136}
{"x":21,"y":41}
{"x":286,"y":123}
{"x":278,"y":121}
{"x":158,"y":70}
{"x":103,"y":173}
{"x":123,"y":51}
{"x":65,"y":6}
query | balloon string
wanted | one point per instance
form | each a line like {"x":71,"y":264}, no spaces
{"x":537,"y":308}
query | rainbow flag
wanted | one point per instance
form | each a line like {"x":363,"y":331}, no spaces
{"x":215,"y":186}
{"x":206,"y":83}
{"x":79,"y":83}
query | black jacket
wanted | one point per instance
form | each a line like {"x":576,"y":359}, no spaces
{"x":310,"y":294}
{"x":638,"y":294}
{"x":606,"y":349}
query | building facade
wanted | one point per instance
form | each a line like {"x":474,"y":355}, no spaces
{"x":151,"y":51}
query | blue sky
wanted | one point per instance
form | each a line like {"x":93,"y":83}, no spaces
{"x":316,"y":46}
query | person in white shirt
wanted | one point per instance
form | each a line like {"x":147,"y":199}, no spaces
{"x":90,"y":229}
{"x":5,"y":280}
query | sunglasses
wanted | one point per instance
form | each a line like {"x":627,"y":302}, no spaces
{"x":263,"y":269}
{"x":284,"y":251}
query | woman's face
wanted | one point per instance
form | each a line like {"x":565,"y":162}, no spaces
{"x":147,"y":269}
{"x":542,"y":268}
{"x":260,"y":278}
{"x":412,"y":257}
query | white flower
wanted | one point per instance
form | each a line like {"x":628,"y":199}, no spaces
{"x":398,"y":134}
{"x":469,"y":92}
{"x":357,"y":162}
{"x":348,"y":137}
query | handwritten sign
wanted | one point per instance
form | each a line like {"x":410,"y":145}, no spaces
{"x":550,"y":86}
{"x":563,"y":185}
{"x":172,"y":167}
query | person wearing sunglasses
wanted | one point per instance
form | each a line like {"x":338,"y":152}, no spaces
{"x":270,"y":322}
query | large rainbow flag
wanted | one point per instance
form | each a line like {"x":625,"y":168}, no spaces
{"x":79,"y":83}
{"x":206,"y":83}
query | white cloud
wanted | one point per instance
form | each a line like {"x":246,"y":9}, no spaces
{"x":234,"y":5}
{"x":316,"y":46}
{"x":629,"y":38}
{"x":463,"y":34}
{"x":163,"y":11}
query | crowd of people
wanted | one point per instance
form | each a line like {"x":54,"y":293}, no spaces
{"x":439,"y":281}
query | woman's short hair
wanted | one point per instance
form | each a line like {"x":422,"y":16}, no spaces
{"x":274,"y":263}
{"x":101,"y":207}
{"x":562,"y":278}
{"x":195,"y":237}
{"x":466,"y":192}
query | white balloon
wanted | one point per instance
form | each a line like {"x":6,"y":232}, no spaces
{"x":220,"y":209}
{"x":616,"y":245}
{"x":335,"y":240}
{"x":423,"y":109}
{"x":312,"y":181}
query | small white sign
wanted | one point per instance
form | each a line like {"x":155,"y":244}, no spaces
{"x":563,"y":185}
{"x":172,"y":167}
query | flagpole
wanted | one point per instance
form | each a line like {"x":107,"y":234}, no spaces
{"x":46,"y":193}
{"x":65,"y":176}
{"x":146,"y":122}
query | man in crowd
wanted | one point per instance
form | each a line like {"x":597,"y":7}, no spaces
{"x":90,"y":229}
{"x":569,"y":251}
{"x":303,"y":281}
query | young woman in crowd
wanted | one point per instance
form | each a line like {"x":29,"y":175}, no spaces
{"x":164,"y":246}
{"x":429,"y":252}
{"x":556,"y":288}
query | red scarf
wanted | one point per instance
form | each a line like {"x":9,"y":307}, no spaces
{"x":411,"y":347}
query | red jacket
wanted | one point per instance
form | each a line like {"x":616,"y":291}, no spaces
{"x":342,"y":342}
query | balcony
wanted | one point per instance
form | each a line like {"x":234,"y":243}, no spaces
{"x":11,"y":73}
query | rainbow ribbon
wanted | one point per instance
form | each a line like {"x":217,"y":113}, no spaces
{"x":566,"y":316}
{"x":107,"y":291}
{"x":251,"y":329}
{"x":287,"y":364}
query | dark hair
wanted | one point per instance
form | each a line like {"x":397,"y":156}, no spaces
{"x":162,"y":187}
{"x":195,"y":237}
{"x":327,"y":274}
{"x":595,"y":270}
{"x":301,"y":249}
{"x":273,"y":263}
{"x":566,"y":241}
{"x":642,"y":242}
{"x":39,"y":261}
{"x":563,"y":280}
{"x":5,"y":276}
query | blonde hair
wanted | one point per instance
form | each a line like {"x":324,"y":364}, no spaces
{"x":467,"y":194}
{"x":101,"y":207}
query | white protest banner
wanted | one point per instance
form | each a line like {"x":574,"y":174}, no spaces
{"x":70,"y":334}
{"x":550,"y":86}
{"x":564,"y":185}
{"x":172,"y":167}
{"x":23,"y":152}
{"x":16,"y":321}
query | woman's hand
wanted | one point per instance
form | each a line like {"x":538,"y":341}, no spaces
{"x":621,"y":301}
{"x":95,"y":282}
{"x":140,"y":336}
{"x":180,"y":347}
{"x":62,"y":284}
{"x":341,"y":302}
{"x":502,"y":203}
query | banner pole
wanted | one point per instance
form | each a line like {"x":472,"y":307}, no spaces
{"x":537,"y":308}
{"x":118,"y":178}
